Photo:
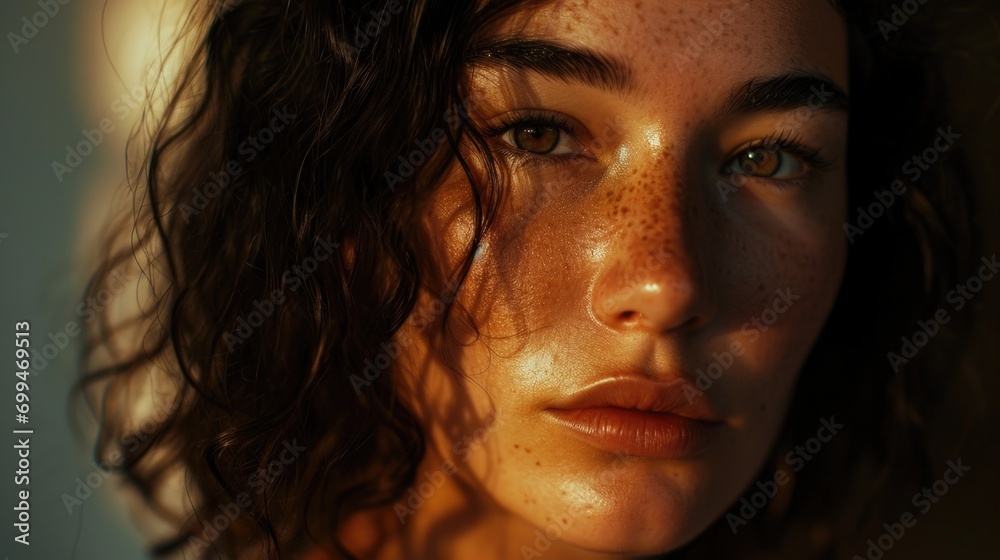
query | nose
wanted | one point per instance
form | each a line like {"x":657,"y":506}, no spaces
{"x":654,"y":281}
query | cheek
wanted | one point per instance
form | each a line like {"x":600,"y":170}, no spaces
{"x":518,"y":279}
{"x":793,"y":276}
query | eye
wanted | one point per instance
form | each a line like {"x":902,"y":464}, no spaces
{"x":768,"y":163}
{"x":540,"y":139}
{"x":538,"y":134}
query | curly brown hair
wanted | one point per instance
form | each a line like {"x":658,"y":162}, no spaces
{"x":277,"y":258}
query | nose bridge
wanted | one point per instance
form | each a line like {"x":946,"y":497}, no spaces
{"x":653,"y":276}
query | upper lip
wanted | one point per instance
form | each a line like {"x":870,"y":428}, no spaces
{"x":642,"y":394}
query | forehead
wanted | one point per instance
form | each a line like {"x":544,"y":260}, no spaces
{"x":679,"y":47}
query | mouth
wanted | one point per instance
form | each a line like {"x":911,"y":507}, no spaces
{"x":638,"y":417}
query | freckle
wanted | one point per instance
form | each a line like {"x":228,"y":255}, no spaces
{"x":625,"y":210}
{"x":763,"y":407}
{"x":527,"y":450}
{"x":538,"y":463}
{"x":563,"y":492}
{"x":760,"y":288}
{"x":516,"y":446}
{"x":565,"y":521}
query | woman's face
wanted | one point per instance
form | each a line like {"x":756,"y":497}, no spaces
{"x":669,"y":246}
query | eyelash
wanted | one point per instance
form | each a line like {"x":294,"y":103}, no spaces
{"x":508,"y":122}
{"x":786,"y":141}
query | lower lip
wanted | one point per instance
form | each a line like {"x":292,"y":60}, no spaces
{"x":656,"y":435}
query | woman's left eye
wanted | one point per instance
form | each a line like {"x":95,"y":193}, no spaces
{"x":767,"y":163}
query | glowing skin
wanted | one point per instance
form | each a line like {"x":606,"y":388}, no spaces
{"x":629,"y":258}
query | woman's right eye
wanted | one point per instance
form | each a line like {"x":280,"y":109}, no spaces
{"x":543,"y":135}
{"x":539,"y":139}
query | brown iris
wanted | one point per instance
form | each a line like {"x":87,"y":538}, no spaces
{"x":536,"y":139}
{"x":760,"y":162}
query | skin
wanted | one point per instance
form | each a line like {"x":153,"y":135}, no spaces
{"x":629,"y":259}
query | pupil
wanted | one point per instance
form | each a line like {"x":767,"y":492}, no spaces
{"x":760,"y":162}
{"x":537,"y":139}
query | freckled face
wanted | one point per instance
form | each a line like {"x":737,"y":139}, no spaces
{"x":655,"y":224}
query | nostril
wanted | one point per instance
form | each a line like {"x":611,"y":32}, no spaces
{"x":660,"y":299}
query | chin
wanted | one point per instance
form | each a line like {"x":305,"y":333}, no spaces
{"x":631,"y":533}
{"x":643,"y":508}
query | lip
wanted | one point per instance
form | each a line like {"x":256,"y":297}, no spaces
{"x":639,"y":417}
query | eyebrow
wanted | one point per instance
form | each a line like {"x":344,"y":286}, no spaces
{"x":554,"y":60}
{"x":581,"y":65}
{"x":784,"y":93}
